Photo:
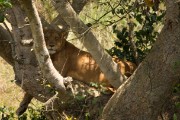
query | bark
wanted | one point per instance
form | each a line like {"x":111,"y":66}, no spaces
{"x":39,"y":47}
{"x":77,"y":6}
{"x":103,"y":59}
{"x":27,"y":73}
{"x":24,"y":104}
{"x":143,"y":96}
{"x":5,"y":45}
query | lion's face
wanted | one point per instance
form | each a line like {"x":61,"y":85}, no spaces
{"x":55,"y":40}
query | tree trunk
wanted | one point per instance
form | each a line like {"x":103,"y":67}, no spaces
{"x":27,"y":73}
{"x":5,"y":45}
{"x":39,"y":47}
{"x":143,"y":95}
{"x":103,"y":59}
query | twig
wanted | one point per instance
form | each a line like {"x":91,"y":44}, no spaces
{"x":133,"y":45}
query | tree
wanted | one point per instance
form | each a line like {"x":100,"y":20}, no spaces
{"x":27,"y":73}
{"x":144,"y":94}
{"x":26,"y":66}
{"x":143,"y":89}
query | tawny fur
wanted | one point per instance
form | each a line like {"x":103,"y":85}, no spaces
{"x":71,"y":61}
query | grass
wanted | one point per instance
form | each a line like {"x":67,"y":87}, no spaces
{"x":10,"y":94}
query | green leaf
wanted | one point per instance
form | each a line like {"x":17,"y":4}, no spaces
{"x":113,"y":11}
{"x":139,"y":18}
{"x":175,"y":117}
{"x":120,"y":11}
{"x":7,"y":4}
{"x":177,"y":104}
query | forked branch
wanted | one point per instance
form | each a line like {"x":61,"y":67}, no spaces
{"x":41,"y":52}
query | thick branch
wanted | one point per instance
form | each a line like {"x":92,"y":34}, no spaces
{"x":5,"y":45}
{"x":77,"y":6}
{"x":24,"y":104}
{"x":25,"y":65}
{"x":39,"y":47}
{"x":27,"y":73}
{"x":143,"y":96}
{"x":133,"y":44}
{"x":110,"y":70}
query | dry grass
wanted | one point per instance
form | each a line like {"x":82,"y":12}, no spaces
{"x":10,"y":94}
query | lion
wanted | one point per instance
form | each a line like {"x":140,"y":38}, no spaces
{"x":71,"y":61}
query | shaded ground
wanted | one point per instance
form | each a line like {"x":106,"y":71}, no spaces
{"x":10,"y":94}
{"x":88,"y":102}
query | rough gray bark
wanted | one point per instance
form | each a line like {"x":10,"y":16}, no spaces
{"x":104,"y":60}
{"x":143,"y":96}
{"x":24,"y":104}
{"x":45,"y":63}
{"x":5,"y":45}
{"x":77,"y":6}
{"x":27,"y":73}
{"x":39,"y":47}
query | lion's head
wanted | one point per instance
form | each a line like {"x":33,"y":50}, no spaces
{"x":55,"y":40}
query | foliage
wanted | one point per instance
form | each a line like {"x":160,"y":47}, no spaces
{"x":32,"y":114}
{"x":135,"y":25}
{"x":177,"y":88}
{"x":4,"y":4}
{"x":46,"y":9}
{"x":7,"y":114}
{"x":176,"y":91}
{"x":136,"y":37}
